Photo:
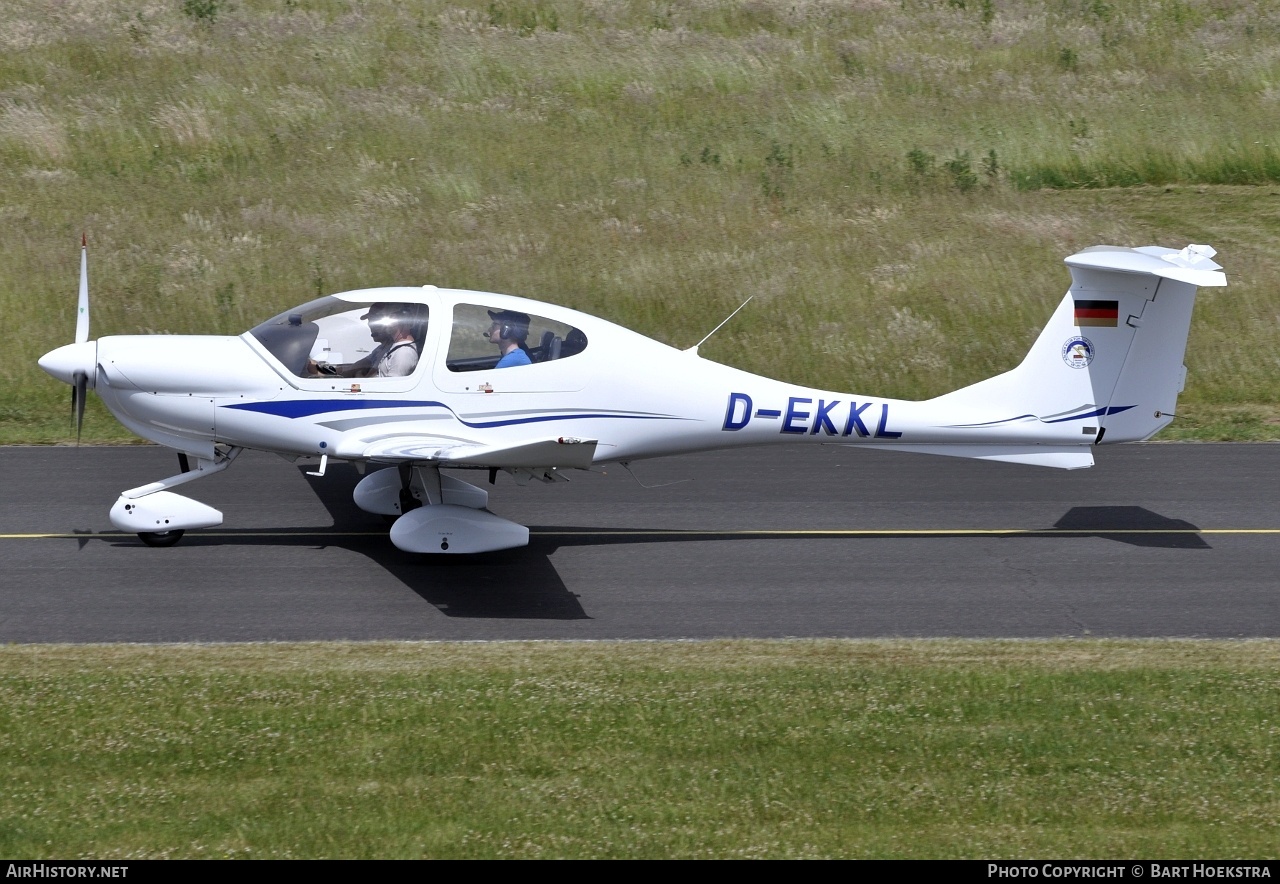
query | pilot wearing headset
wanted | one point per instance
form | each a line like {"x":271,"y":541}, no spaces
{"x":509,"y":330}
{"x":396,"y":355}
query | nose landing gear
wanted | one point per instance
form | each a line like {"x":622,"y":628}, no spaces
{"x":158,"y":516}
{"x":161,"y":538}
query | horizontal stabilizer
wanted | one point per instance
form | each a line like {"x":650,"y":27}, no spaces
{"x":1076,"y":457}
{"x":1192,"y":265}
{"x":562,"y":452}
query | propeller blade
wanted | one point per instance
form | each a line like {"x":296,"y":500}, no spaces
{"x":79,"y":390}
{"x":82,"y":309}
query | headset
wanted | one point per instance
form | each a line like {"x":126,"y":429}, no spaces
{"x":509,"y":330}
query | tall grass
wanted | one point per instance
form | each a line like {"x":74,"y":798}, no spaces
{"x":869,"y":170}
{"x":1251,"y":164}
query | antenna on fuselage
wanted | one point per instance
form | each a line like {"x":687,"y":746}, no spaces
{"x":694,"y":348}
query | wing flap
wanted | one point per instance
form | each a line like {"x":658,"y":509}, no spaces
{"x":563,"y":452}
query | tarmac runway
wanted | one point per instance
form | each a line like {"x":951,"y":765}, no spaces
{"x":1155,"y":540}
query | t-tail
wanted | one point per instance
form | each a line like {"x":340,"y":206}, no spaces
{"x":1108,"y":365}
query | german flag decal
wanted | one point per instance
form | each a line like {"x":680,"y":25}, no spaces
{"x":1097,"y":313}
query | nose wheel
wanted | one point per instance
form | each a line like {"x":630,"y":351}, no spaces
{"x":161,"y":538}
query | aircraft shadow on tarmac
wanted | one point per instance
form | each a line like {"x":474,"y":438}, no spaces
{"x":511,"y":584}
{"x":524,"y":584}
{"x":1133,"y":525}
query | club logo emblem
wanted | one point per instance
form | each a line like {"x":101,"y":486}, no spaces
{"x":1077,"y":352}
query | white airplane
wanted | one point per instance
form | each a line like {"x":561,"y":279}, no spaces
{"x":428,"y":378}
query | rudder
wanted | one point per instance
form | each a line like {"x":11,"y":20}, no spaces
{"x":1108,"y":364}
{"x":1155,"y":290}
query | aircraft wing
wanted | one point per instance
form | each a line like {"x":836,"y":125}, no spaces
{"x":564,"y":452}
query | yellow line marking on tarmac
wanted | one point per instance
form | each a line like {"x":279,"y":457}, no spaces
{"x":202,"y":532}
{"x":673,"y":532}
{"x":924,"y":532}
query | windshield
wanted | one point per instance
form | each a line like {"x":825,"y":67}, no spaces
{"x":333,"y":337}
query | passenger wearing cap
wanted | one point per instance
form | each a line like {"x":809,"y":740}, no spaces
{"x":509,"y":330}
{"x":396,"y":355}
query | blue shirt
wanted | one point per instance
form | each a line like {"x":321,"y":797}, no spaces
{"x":515,"y":357}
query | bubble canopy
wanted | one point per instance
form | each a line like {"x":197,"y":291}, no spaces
{"x":333,"y":330}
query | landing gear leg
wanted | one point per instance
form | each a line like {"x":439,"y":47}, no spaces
{"x":407,"y":500}
{"x":155,"y":506}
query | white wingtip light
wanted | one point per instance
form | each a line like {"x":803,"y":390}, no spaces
{"x":82,"y":308}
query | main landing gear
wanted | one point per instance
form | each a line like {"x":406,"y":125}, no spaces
{"x":435,"y":513}
{"x":432,"y":513}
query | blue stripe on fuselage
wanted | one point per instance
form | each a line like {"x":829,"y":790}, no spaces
{"x":297,"y":408}
{"x":1101,"y":412}
{"x":1098,"y":412}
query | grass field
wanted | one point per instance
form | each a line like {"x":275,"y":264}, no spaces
{"x":711,"y":749}
{"x":896,"y":182}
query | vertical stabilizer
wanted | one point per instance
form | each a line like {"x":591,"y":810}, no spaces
{"x":1109,"y":362}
